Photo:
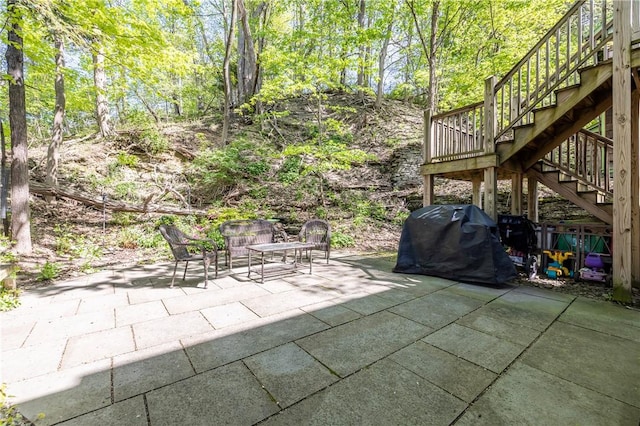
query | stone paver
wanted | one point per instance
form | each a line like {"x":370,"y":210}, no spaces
{"x":131,"y":412}
{"x":455,"y":375}
{"x":604,"y":317}
{"x":525,"y":395}
{"x":480,"y":348}
{"x":383,"y":394}
{"x":437,"y":309}
{"x":556,"y":350}
{"x":137,"y":372}
{"x":230,"y":314}
{"x":222,"y":348}
{"x":169,"y":329}
{"x":354,"y":343}
{"x":289,"y":374}
{"x":99,"y":345}
{"x":226,"y":395}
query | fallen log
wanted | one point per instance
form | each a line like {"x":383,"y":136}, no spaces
{"x":39,"y":188}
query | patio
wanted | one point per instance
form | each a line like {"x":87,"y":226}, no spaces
{"x":353,"y":343}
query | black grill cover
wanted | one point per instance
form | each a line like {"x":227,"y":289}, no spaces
{"x":457,"y":242}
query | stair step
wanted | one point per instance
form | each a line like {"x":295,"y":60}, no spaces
{"x":563,"y":93}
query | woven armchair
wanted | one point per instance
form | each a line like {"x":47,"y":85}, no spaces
{"x":238,"y":234}
{"x":318,"y":232}
{"x":187,"y":249}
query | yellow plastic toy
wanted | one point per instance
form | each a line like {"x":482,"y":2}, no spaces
{"x":556,"y":268}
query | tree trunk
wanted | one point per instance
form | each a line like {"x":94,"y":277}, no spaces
{"x":361,"y":47}
{"x":381,"y":64}
{"x":53,"y":153}
{"x":100,"y":82}
{"x":227,"y":75}
{"x":432,"y":100}
{"x":20,"y":214}
{"x":247,"y":62}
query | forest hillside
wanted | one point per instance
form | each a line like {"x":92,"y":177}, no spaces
{"x":340,"y":159}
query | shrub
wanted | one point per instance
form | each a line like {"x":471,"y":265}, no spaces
{"x":341,"y":240}
{"x":49,"y":271}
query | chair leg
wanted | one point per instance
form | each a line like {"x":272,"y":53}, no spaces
{"x":173,"y":278}
{"x":185,"y":270}
{"x":207,"y":262}
{"x":216,"y":266}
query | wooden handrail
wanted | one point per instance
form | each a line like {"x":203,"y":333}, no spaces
{"x":586,"y":157}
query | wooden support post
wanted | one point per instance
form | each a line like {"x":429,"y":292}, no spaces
{"x":622,"y":151}
{"x":635,"y":188}
{"x":427,"y":179}
{"x":490,"y":190}
{"x":516,"y":194}
{"x":490,"y":125}
{"x":427,"y":195}
{"x":476,"y":191}
{"x":532,"y":199}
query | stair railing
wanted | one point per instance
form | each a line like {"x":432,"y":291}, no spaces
{"x":577,"y":40}
{"x":586,"y":157}
{"x":457,"y":134}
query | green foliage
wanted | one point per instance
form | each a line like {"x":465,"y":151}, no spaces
{"x":151,"y":141}
{"x":8,"y":300}
{"x":75,"y":245}
{"x":125,"y":159}
{"x":9,"y":415}
{"x":126,"y":190}
{"x":290,"y":170}
{"x":330,"y":155}
{"x":123,"y":218}
{"x":6,"y":255}
{"x":214,"y":171}
{"x":341,"y":240}
{"x":49,"y":271}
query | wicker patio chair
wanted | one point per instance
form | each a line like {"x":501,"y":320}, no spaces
{"x":238,"y":234}
{"x":187,"y":249}
{"x":318,"y":232}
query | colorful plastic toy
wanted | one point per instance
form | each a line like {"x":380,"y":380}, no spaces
{"x":556,"y":268}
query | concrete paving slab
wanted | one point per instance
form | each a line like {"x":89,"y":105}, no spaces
{"x":480,"y":348}
{"x":41,"y":311}
{"x":140,"y":312}
{"x":605,"y":317}
{"x":331,"y":312}
{"x":149,"y":294}
{"x":289,"y":374}
{"x":64,"y":394}
{"x":485,"y":293}
{"x":455,"y":375}
{"x":226,"y":395}
{"x":224,"y":348}
{"x":547,"y":293}
{"x":383,"y":394}
{"x":131,"y":412}
{"x":354,"y":345}
{"x":106,"y":302}
{"x":65,"y":327}
{"x":14,"y":333}
{"x":212,"y":297}
{"x":99,"y":345}
{"x":555,"y":352}
{"x":271,"y":304}
{"x":142,"y":371}
{"x":524,"y":309}
{"x":25,"y":363}
{"x":169,"y":329}
{"x":482,"y":321}
{"x":365,"y":303}
{"x":437,"y":309}
{"x":528,"y":396}
{"x":227,"y":315}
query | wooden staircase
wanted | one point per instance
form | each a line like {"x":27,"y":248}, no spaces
{"x":531,"y":121}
